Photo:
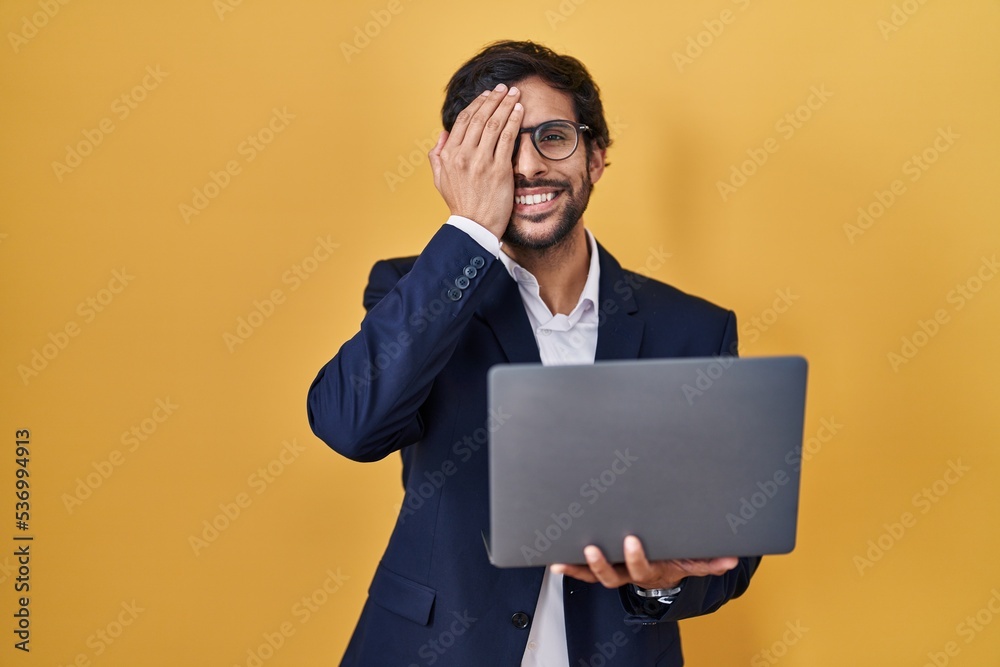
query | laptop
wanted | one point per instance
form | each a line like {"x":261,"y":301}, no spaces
{"x":698,"y":457}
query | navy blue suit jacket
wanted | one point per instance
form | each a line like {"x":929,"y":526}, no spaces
{"x":413,"y":380}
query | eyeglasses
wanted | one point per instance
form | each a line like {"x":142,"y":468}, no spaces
{"x":554,"y":139}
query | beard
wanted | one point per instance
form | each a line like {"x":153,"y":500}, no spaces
{"x":574,"y":205}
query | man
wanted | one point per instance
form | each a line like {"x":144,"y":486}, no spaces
{"x":512,"y":277}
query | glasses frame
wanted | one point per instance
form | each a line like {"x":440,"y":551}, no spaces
{"x":533,"y":131}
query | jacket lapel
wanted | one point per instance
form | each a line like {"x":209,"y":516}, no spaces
{"x":619,"y":331}
{"x":503,"y":312}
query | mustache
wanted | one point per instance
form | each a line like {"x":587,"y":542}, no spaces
{"x":541,"y":183}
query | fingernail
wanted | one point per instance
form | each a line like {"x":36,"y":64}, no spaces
{"x":632,"y":543}
{"x":500,"y":87}
{"x":517,"y":106}
{"x":484,"y":93}
{"x":590,"y":553}
{"x":512,"y":91}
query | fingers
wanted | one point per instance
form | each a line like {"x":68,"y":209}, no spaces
{"x":607,"y":574}
{"x":508,"y":136}
{"x":581,"y":572}
{"x":639,"y":570}
{"x":474,"y":130}
{"x":434,"y":155}
{"x":463,"y":118}
{"x":638,"y":566}
{"x":597,"y":569}
{"x":500,"y":120}
{"x":701,"y":567}
{"x":723,"y":565}
{"x":479,"y":124}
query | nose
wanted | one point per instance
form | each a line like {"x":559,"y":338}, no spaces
{"x":528,"y":162}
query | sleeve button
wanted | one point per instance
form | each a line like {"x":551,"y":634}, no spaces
{"x":461,"y":282}
{"x":470,"y":271}
{"x":454,"y":294}
{"x":478,"y":262}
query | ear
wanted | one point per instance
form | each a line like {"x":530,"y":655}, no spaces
{"x":595,"y":164}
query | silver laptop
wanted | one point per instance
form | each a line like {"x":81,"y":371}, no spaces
{"x":697,"y":457}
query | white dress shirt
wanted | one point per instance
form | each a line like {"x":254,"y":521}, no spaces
{"x":562,"y":339}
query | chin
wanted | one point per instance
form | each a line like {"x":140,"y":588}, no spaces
{"x":536,"y":235}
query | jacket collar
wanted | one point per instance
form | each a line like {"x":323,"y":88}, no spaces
{"x":619,"y":328}
{"x":619,"y":332}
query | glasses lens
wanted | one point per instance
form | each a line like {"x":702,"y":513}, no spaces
{"x":556,"y":139}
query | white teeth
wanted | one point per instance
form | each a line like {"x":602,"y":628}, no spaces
{"x":529,"y":200}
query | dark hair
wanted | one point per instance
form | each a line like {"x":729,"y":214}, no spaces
{"x":509,"y":62}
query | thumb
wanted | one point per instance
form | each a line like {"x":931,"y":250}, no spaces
{"x":725,"y":564}
{"x":434,"y":155}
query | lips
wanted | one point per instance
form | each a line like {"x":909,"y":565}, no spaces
{"x":538,"y":202}
{"x":533,"y":199}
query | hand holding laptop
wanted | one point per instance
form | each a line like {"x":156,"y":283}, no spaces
{"x":640,"y":571}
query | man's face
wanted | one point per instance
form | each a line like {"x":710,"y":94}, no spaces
{"x":568,"y":182}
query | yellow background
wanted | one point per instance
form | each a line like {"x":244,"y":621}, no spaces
{"x":226,"y":71}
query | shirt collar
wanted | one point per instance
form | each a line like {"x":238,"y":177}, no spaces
{"x":586,"y":307}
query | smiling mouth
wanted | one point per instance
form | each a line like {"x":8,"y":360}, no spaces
{"x":535,"y":199}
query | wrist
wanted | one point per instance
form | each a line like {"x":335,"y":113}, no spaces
{"x":664,"y":592}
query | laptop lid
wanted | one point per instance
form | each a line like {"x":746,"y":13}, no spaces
{"x":698,"y":457}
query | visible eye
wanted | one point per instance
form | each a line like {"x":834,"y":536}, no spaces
{"x":554,"y":136}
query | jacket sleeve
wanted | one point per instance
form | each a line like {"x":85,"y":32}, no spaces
{"x":365,"y":402}
{"x":700,"y":595}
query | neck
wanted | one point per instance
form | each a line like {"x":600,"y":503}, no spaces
{"x":561,"y":270}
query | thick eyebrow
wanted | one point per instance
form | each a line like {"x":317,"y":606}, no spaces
{"x":551,"y":120}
